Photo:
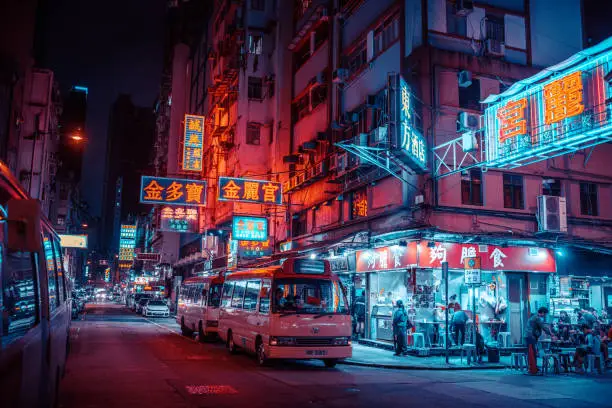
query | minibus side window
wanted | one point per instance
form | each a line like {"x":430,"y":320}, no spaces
{"x":51,"y":275}
{"x":238,"y":295}
{"x":264,"y":301}
{"x":61,"y":279}
{"x":251,"y":295}
{"x":19,"y":296}
{"x":197,"y":293}
{"x":228,"y":288}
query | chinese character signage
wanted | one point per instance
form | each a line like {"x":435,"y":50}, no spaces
{"x":73,"y":241}
{"x":387,"y":258}
{"x":250,"y":191}
{"x":560,"y":110}
{"x":148,"y":256}
{"x":246,"y":228}
{"x":254,"y":249}
{"x":171,"y":191}
{"x":193,"y":143}
{"x":360,"y":204}
{"x":127,"y":242}
{"x":472,"y":270}
{"x":179,"y":219}
{"x":410,"y":140}
{"x":492,"y":258}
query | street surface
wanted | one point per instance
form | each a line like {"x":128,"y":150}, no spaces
{"x":120,"y":359}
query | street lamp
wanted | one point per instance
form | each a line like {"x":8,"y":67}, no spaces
{"x":77,"y":135}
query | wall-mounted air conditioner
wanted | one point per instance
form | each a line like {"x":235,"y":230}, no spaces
{"x":468,"y":121}
{"x":552,"y":214}
{"x":341,"y":163}
{"x":468,"y":141}
{"x":495,"y":47}
{"x":463,"y":7}
{"x":380,"y":135}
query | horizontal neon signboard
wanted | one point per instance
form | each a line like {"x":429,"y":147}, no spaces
{"x":172,"y":191}
{"x":246,"y":228}
{"x":250,"y":191}
{"x":73,"y":241}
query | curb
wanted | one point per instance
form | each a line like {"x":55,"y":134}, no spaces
{"x":421,"y":368}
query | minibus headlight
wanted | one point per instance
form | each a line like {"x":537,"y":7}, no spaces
{"x":342,"y":341}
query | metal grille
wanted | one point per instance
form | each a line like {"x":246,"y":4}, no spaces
{"x":313,"y":341}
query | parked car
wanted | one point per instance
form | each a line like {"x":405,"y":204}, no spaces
{"x":137,"y":297}
{"x":141,"y":304}
{"x":157,"y":308}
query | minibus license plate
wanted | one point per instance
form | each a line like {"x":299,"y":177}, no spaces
{"x":316,"y":352}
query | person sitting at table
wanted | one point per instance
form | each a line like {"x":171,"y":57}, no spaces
{"x":592,"y":346}
{"x":564,"y":333}
{"x":453,"y":304}
{"x":585,"y":317}
{"x":564,"y":318}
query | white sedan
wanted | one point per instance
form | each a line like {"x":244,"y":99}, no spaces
{"x":156,"y":308}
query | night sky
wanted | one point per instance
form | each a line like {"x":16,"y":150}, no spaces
{"x":111,"y":47}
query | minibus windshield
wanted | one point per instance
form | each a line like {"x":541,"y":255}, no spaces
{"x":308,"y":296}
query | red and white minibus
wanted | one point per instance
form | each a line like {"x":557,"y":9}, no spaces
{"x":294,"y":311}
{"x":35,"y":301}
{"x":198,"y":305}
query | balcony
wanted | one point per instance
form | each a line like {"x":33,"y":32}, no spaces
{"x":308,"y":14}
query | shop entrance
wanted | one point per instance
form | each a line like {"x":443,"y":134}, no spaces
{"x":517,"y":305}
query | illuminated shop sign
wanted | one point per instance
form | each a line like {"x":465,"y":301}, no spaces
{"x":127,"y":242}
{"x":179,"y":219}
{"x":411,"y":141}
{"x":49,"y":255}
{"x":562,"y":109}
{"x":387,"y":258}
{"x":254,"y":249}
{"x":286,"y":246}
{"x":360,"y":204}
{"x":232,"y":253}
{"x":193,"y":143}
{"x":148,"y":256}
{"x":250,"y":191}
{"x":172,"y":191}
{"x":245,"y":228}
{"x":73,"y":241}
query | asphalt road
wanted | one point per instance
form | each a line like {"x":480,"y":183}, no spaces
{"x":120,"y":359}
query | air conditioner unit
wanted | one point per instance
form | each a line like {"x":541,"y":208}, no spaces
{"x":468,"y":121}
{"x":340,"y":75}
{"x":380,"y":136}
{"x":552,"y":214}
{"x":341,"y":163}
{"x":468,"y":141}
{"x":464,"y":78}
{"x":361,"y":139}
{"x":333,"y":162}
{"x":464,"y":7}
{"x":496,"y":48}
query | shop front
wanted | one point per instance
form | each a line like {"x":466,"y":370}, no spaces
{"x":514,"y":282}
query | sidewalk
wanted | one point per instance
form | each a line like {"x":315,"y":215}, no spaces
{"x":375,"y":357}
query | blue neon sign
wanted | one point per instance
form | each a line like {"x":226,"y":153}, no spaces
{"x":246,"y":228}
{"x":411,"y":141}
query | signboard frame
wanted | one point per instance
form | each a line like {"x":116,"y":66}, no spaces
{"x":154,"y":193}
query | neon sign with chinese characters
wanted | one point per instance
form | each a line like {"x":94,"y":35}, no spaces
{"x":127,"y":242}
{"x":560,"y":110}
{"x":246,"y":228}
{"x":193,"y":143}
{"x":411,"y":141}
{"x":171,"y":191}
{"x":250,"y":191}
{"x":179,"y":219}
{"x":360,"y":204}
{"x":254,"y":249}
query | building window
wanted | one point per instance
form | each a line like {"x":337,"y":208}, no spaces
{"x":255,"y":44}
{"x":513,"y":191}
{"x":63,"y":192}
{"x":253,"y":135}
{"x":588,"y":199}
{"x":299,"y":224}
{"x":61,"y":219}
{"x":258,"y":5}
{"x":357,"y":59}
{"x":255,"y":88}
{"x":386,"y":34}
{"x":551,"y":187}
{"x":469,"y":97}
{"x":309,"y":101}
{"x":471,"y":187}
{"x":495,"y":27}
{"x":455,"y":24}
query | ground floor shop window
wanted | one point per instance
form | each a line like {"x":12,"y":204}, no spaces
{"x":384,"y":289}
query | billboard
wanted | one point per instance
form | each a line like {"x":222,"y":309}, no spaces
{"x":127,"y":242}
{"x":250,"y":191}
{"x":172,"y":191}
{"x":562,"y":109}
{"x":73,"y":241}
{"x":179,"y":219}
{"x":193,"y":143}
{"x":247,"y":228}
{"x":254,"y":249}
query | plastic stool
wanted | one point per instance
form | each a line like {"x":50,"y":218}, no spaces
{"x":442,"y":339}
{"x":546,"y":366}
{"x":504,"y":339}
{"x":566,"y":361}
{"x":418,"y":340}
{"x":518,"y":361}
{"x":470,"y":352}
{"x":592,"y":360}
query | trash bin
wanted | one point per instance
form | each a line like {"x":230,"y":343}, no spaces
{"x":493,"y":354}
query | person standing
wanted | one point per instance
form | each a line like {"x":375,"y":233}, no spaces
{"x":400,"y":326}
{"x":535,"y":327}
{"x":458,"y":322}
{"x":359,"y":314}
{"x":453,"y":304}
